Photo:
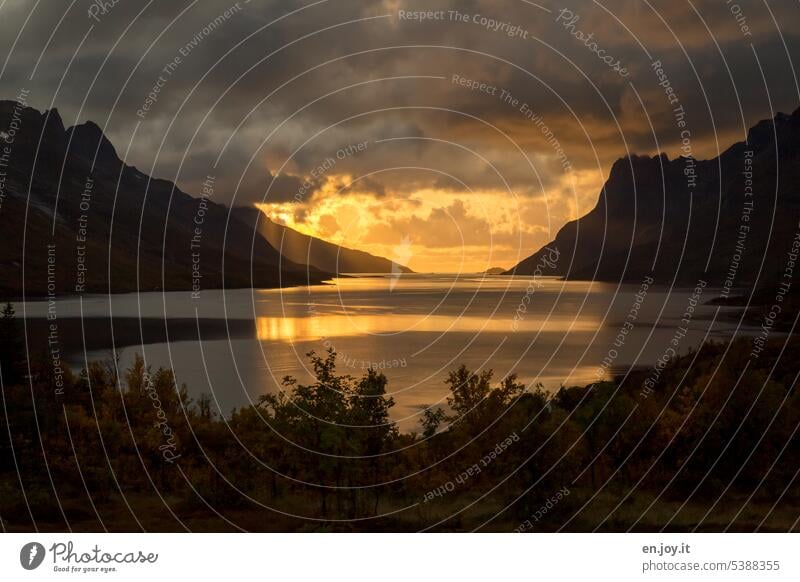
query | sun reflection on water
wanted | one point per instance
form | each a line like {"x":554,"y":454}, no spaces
{"x":326,"y":325}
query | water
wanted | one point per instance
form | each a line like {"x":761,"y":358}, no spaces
{"x":236,"y":345}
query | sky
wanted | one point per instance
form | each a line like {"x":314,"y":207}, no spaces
{"x":454,"y":135}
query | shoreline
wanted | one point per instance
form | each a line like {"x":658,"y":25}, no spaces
{"x":101,"y":333}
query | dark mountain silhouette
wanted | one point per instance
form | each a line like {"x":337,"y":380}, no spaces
{"x":115,"y":228}
{"x":310,"y":250}
{"x":650,"y":219}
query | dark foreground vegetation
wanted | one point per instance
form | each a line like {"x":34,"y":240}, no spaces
{"x":713,"y":446}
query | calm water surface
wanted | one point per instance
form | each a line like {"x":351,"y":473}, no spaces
{"x":414,"y":328}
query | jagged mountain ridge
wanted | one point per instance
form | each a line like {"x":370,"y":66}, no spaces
{"x":115,"y":228}
{"x":648,"y":221}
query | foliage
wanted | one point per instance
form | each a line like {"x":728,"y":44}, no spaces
{"x":716,"y":430}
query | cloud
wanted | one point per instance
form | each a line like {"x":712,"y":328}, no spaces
{"x":254,"y":90}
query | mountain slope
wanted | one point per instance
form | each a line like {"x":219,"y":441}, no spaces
{"x":722,"y":220}
{"x":75,"y":218}
{"x":326,"y":256}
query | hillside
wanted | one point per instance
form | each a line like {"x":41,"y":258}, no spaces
{"x":75,"y":218}
{"x":684,"y":219}
{"x":326,"y":256}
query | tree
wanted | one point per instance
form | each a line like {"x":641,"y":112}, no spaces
{"x":319,"y":415}
{"x":431,"y":419}
{"x":467,"y":389}
{"x":204,"y":407}
{"x":369,"y":408}
{"x":370,"y":411}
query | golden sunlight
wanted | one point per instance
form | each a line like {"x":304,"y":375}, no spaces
{"x":446,"y":231}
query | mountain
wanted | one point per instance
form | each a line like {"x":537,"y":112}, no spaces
{"x":731,"y":221}
{"x":326,"y":256}
{"x":75,"y":218}
{"x":495,"y":271}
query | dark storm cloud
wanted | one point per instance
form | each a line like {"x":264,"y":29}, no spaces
{"x":257,"y":96}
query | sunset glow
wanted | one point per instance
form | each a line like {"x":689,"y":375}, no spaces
{"x":449,"y":231}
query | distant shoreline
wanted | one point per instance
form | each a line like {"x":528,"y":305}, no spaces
{"x":101,"y":333}
{"x":107,"y":293}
